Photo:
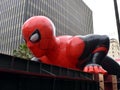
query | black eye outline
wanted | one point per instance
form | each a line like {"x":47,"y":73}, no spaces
{"x":39,"y":36}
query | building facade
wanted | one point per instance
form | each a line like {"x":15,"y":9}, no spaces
{"x":114,"y":50}
{"x":70,"y":17}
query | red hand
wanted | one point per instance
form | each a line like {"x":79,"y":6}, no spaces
{"x":94,"y":68}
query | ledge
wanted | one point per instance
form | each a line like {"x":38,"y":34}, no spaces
{"x":22,"y":66}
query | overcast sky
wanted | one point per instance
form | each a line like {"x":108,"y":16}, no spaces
{"x":104,"y":21}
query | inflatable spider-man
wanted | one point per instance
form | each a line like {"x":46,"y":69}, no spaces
{"x":87,"y":53}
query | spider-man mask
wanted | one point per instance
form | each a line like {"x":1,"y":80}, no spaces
{"x":38,"y":31}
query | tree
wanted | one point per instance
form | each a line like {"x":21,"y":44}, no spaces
{"x":23,"y":52}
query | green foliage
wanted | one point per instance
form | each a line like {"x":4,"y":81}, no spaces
{"x":23,"y":52}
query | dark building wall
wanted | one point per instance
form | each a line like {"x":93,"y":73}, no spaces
{"x":70,"y":17}
{"x":11,"y":19}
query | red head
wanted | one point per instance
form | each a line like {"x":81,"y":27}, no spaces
{"x":38,"y":32}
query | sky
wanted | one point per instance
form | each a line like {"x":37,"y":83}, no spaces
{"x":104,"y":21}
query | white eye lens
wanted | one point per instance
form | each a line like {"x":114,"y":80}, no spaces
{"x":34,"y":37}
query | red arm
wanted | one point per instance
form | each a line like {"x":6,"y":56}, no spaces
{"x":76,"y":47}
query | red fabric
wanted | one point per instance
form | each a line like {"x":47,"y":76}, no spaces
{"x":63,"y":51}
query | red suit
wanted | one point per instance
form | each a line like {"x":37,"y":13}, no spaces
{"x":77,"y":52}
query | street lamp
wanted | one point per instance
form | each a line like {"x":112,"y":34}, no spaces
{"x":117,"y":18}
